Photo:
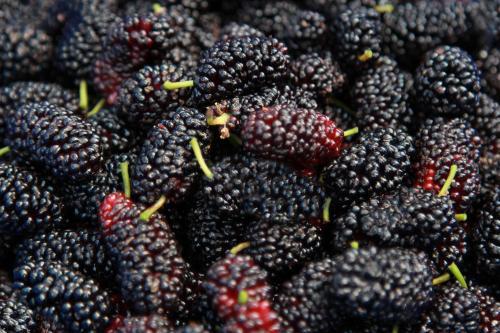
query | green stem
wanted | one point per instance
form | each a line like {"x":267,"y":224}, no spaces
{"x":178,"y":85}
{"x":354,"y":245}
{"x":449,"y":181}
{"x":351,"y":131}
{"x":96,"y":108}
{"x":326,"y":209}
{"x":461,"y":217}
{"x":240,"y":247}
{"x":125,"y":178}
{"x":158,"y":9}
{"x":367,"y":55}
{"x":199,"y":157}
{"x":84,"y":95}
{"x":441,"y":279}
{"x":458,"y":275}
{"x":4,"y":150}
{"x":218,"y":121}
{"x":387,"y":8}
{"x":243,"y":297}
{"x":146,"y":215}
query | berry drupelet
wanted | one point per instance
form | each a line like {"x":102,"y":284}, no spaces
{"x":488,"y":62}
{"x":245,"y":186}
{"x":240,"y":295}
{"x":303,"y":300}
{"x":381,"y":96}
{"x":455,"y":309}
{"x":486,"y":120}
{"x":29,"y":203}
{"x":239,"y":108}
{"x":56,"y":140}
{"x":318,"y":74}
{"x":410,"y":218}
{"x":239,"y":66}
{"x":166,"y":164}
{"x":16,"y":317}
{"x":363,"y":280}
{"x":82,"y":250}
{"x":357,"y":35}
{"x":441,"y":144}
{"x":142,"y":99}
{"x":25,"y":51}
{"x":378,"y":164}
{"x":303,"y":137}
{"x":141,"y":324}
{"x":69,"y":300}
{"x":238,"y":30}
{"x":136,"y":41}
{"x":416,"y":27}
{"x":136,"y":246}
{"x":81,"y":43}
{"x":447,"y":82}
{"x":486,"y":238}
{"x":282,"y":248}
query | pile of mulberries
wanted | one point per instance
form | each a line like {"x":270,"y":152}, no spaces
{"x":291,"y":166}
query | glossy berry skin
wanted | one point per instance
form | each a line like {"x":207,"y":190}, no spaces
{"x":301,"y":136}
{"x":377,"y":164}
{"x":447,"y":82}
{"x":409,"y":217}
{"x":440,"y":144}
{"x":142,"y":100}
{"x":139,"y":324}
{"x":226,"y":279}
{"x":29,"y":203}
{"x":166,"y":164}
{"x":16,"y":317}
{"x":51,"y":137}
{"x":25,"y":52}
{"x":67,"y":299}
{"x":239,"y":66}
{"x":357,"y":31}
{"x":136,"y":246}
{"x":359,"y":289}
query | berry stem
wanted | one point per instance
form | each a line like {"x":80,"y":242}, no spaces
{"x":326,"y":210}
{"x":441,"y":279}
{"x":351,"y":131}
{"x":84,"y":95}
{"x":458,"y":275}
{"x":199,"y":157}
{"x":240,"y":247}
{"x":449,"y":180}
{"x":243,"y":297}
{"x":218,"y":121}
{"x":158,"y":9}
{"x":4,"y":150}
{"x":168,"y":85}
{"x":461,"y":217}
{"x":395,"y":329}
{"x":125,"y":178}
{"x":367,"y":55}
{"x":387,"y":8}
{"x":96,"y":108}
{"x":146,"y":215}
{"x":354,"y":245}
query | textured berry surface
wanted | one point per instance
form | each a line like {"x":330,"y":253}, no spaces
{"x":67,"y":299}
{"x":135,"y":246}
{"x":411,"y":218}
{"x":377,"y":164}
{"x":300,"y":136}
{"x":29,"y":203}
{"x":16,"y":317}
{"x":448,"y":82}
{"x":239,"y":66}
{"x":54,"y":139}
{"x":166,"y":164}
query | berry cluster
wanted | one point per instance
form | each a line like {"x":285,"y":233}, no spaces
{"x":289,"y":166}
